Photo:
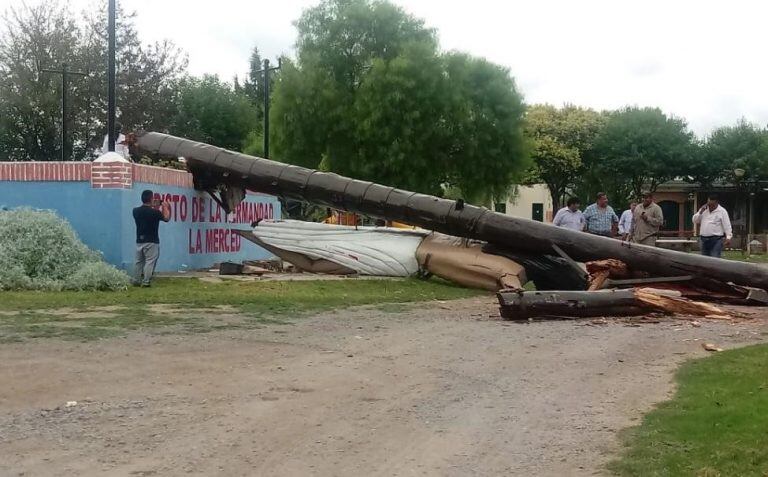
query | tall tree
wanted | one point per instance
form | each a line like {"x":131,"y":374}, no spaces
{"x":47,"y":35}
{"x":563,"y":145}
{"x":371,"y":96}
{"x":486,"y":147}
{"x":641,"y":148}
{"x":254,"y":81}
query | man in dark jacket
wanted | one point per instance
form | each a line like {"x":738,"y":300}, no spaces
{"x":147,"y":218}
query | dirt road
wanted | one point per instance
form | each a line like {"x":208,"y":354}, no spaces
{"x":438,"y":390}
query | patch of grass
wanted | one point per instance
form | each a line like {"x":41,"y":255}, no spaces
{"x":277,"y":296}
{"x":716,"y":424}
{"x":738,"y":256}
{"x":249,"y":305}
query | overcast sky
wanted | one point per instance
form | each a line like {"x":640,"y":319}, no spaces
{"x":702,"y":60}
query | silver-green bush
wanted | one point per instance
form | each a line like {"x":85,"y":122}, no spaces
{"x":97,"y":276}
{"x":40,"y":251}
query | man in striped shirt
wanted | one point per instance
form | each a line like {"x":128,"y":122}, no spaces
{"x":600,"y":218}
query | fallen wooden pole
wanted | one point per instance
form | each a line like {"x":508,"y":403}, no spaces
{"x":576,"y":304}
{"x":213,"y":167}
{"x":610,"y":283}
{"x":520,"y":305}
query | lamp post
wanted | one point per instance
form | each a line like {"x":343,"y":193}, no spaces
{"x":111,"y":34}
{"x":66,"y":154}
{"x":740,"y":173}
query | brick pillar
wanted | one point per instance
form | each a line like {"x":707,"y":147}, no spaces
{"x":111,"y":175}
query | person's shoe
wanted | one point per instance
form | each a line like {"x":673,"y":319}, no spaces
{"x":145,"y":285}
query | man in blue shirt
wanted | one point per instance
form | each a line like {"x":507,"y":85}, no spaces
{"x":570,"y":217}
{"x":600,"y":219}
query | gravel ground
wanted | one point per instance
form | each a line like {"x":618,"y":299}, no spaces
{"x":443,"y":389}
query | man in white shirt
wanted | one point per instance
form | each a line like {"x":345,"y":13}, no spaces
{"x":120,"y":146}
{"x":715,"y":229}
{"x":625,"y":222}
{"x":570,"y":217}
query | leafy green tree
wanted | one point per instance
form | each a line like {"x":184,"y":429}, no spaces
{"x":210,"y":111}
{"x":563,"y":144}
{"x":35,"y":37}
{"x":371,"y":96}
{"x":393,"y":128}
{"x":47,"y":35}
{"x":641,"y":148}
{"x":727,"y":148}
{"x":487,"y":150}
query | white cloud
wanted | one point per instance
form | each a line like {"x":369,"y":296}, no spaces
{"x":697,"y":59}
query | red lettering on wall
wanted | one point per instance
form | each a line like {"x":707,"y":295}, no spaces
{"x":175,"y":201}
{"x":183,"y":208}
{"x":209,"y":241}
{"x":217,"y":240}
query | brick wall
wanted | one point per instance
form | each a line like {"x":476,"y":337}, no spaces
{"x":161,"y":175}
{"x":45,"y":171}
{"x":109,"y":175}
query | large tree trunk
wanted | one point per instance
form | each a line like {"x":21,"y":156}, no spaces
{"x":212,"y":166}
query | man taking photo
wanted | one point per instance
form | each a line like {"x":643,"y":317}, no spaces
{"x":147,"y":218}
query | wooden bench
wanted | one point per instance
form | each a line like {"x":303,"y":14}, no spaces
{"x":686,"y":244}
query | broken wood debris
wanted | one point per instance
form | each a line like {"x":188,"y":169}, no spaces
{"x":670,"y":302}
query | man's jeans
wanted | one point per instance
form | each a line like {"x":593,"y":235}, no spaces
{"x":146,"y":259}
{"x":712,"y":246}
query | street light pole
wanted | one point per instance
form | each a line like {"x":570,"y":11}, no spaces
{"x":111,"y":138}
{"x":266,"y":72}
{"x":66,"y":153}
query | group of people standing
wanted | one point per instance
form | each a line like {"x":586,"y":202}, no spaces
{"x":643,"y":220}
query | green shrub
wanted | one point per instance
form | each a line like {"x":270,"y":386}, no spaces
{"x":40,"y":251}
{"x":97,"y":276}
{"x":12,"y":277}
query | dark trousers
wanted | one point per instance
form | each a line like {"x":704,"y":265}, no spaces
{"x":712,"y":246}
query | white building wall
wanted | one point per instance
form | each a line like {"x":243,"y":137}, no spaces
{"x":521,"y":205}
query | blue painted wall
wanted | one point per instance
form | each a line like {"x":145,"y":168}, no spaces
{"x":198,"y":235}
